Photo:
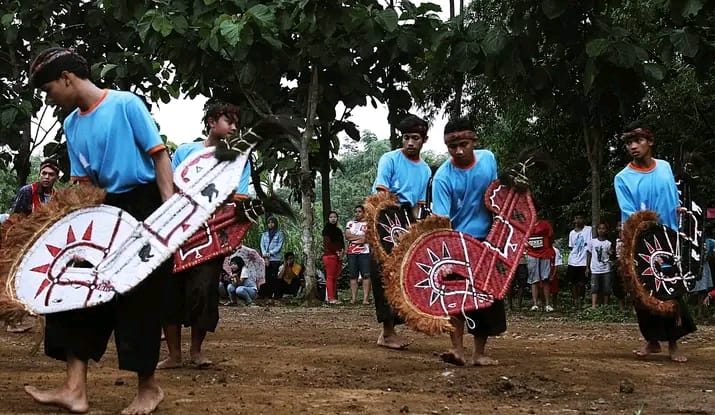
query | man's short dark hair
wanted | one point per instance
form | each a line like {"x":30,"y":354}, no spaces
{"x":359,"y":207}
{"x":458,"y":124}
{"x":413,"y":124}
{"x":50,"y":63}
{"x":51,"y":163}
{"x":215,"y":109}
{"x":289,"y":255}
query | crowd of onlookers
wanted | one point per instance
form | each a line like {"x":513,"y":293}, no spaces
{"x":588,"y":265}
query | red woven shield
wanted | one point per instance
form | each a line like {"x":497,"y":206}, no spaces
{"x":436,"y":272}
{"x":221,"y":235}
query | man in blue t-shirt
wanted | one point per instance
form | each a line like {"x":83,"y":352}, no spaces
{"x":113,"y":143}
{"x":403,"y":173}
{"x":647,"y":183}
{"x":458,"y":190}
{"x":191,"y":297}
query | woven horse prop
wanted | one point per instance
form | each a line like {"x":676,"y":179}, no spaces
{"x":435,"y":273}
{"x":82,"y":257}
{"x":221,"y":235}
{"x":660,"y":264}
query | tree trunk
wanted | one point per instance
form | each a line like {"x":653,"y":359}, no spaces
{"x":325,"y":170}
{"x":307,"y":187}
{"x":21,"y":160}
{"x":593,"y":139}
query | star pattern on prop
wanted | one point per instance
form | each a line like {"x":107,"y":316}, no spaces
{"x":393,"y":227}
{"x":426,"y":283}
{"x":649,"y":271}
{"x":56,"y":251}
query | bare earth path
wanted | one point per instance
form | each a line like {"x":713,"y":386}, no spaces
{"x":283,"y":360}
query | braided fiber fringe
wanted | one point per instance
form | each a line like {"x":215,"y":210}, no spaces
{"x":631,"y":230}
{"x":374,"y":204}
{"x":392,"y":277}
{"x":20,"y":231}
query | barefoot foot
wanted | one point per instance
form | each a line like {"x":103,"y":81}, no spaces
{"x":453,"y":358}
{"x":392,"y":341}
{"x":169,"y":363}
{"x":678,"y":358}
{"x":74,"y":401}
{"x":648,"y":349}
{"x":483,"y":360}
{"x":201,"y":361}
{"x":146,"y":401}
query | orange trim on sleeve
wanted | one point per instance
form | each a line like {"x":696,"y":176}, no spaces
{"x":383,"y":188}
{"x":643,"y":169}
{"x":96,"y":104}
{"x":240,"y":197}
{"x":156,"y":149}
{"x":79,"y":178}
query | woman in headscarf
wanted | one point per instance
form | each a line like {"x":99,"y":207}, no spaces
{"x":333,"y":246}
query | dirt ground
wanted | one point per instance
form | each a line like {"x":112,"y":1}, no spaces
{"x":295,"y":360}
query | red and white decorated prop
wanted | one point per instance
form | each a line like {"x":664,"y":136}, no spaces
{"x":221,"y":235}
{"x":436,"y":272}
{"x":119,"y":252}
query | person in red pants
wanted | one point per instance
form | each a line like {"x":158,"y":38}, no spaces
{"x":333,"y":246}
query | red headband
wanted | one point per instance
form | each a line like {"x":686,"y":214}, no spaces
{"x":458,"y":135}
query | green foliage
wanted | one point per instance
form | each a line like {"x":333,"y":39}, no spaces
{"x":605,"y":314}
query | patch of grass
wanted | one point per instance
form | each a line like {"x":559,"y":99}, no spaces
{"x":605,"y":314}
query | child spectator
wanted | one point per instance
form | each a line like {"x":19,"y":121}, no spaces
{"x":540,"y":253}
{"x":598,"y":264}
{"x":243,"y":284}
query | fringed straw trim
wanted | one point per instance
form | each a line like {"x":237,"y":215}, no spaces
{"x":374,"y":204}
{"x":20,"y":231}
{"x":392,"y":279}
{"x":638,"y":222}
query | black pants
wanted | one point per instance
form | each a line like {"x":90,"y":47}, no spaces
{"x":135,"y":317}
{"x":383,"y":310}
{"x":270,"y":287}
{"x":191,"y":296}
{"x":656,"y":328}
{"x":490,"y":321}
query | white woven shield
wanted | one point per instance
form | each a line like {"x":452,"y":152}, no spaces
{"x":91,"y":254}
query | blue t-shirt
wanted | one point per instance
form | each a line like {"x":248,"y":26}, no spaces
{"x":653,"y":189}
{"x":111,"y":144}
{"x":458,"y":193}
{"x":405,"y":178}
{"x":183,"y":151}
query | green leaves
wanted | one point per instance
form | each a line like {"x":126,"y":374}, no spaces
{"x":494,"y":41}
{"x":7,"y":19}
{"x":231,"y":31}
{"x":687,"y":8}
{"x":597,"y":47}
{"x":106,"y":69}
{"x":685,"y":42}
{"x":554,"y":8}
{"x":162,"y":24}
{"x":262,"y":15}
{"x":387,"y":19}
{"x":654,"y":71}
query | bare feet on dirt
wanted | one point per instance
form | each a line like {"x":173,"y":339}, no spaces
{"x":453,"y":358}
{"x":483,"y":360}
{"x":146,"y":401}
{"x":74,"y":401}
{"x":169,"y":363}
{"x":200,"y":361}
{"x":392,"y":342}
{"x":649,"y":349}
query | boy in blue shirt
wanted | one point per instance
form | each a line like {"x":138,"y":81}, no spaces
{"x":113,"y":143}
{"x":648,"y":183}
{"x":191,"y":296}
{"x":403,"y":173}
{"x":458,"y":190}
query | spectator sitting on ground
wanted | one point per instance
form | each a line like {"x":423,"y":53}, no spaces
{"x":243,"y":284}
{"x":290,"y":275}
